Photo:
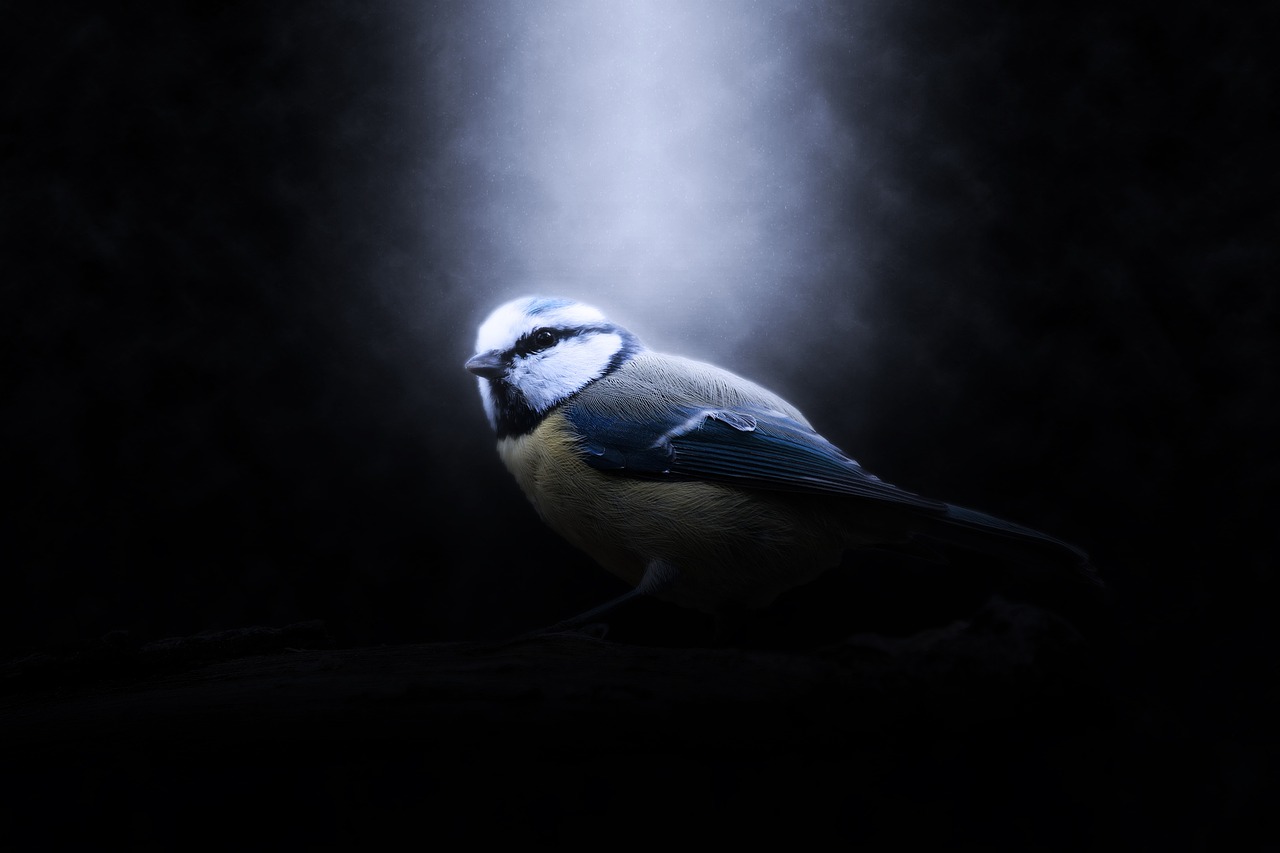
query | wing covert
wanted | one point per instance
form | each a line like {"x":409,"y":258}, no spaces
{"x":750,"y":446}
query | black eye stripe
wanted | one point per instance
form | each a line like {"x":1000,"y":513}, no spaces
{"x":528,"y":343}
{"x":540,"y":339}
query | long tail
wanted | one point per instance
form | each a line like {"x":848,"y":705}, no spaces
{"x":986,"y":534}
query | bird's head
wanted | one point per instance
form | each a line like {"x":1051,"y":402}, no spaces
{"x":535,"y":352}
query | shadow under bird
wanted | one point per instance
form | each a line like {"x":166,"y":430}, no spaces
{"x":691,"y":483}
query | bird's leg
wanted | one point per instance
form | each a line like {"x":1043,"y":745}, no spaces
{"x":658,"y":576}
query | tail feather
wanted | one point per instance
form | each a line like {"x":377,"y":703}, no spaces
{"x":997,"y":537}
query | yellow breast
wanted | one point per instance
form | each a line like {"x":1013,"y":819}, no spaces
{"x":730,"y":546}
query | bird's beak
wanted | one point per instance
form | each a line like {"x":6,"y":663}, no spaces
{"x":486,"y":364}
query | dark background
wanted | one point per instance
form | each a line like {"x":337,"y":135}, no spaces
{"x":245,"y":251}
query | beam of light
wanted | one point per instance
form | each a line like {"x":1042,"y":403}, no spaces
{"x":668,"y":160}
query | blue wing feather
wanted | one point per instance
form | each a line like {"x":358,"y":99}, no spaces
{"x":748,"y":446}
{"x":674,"y":419}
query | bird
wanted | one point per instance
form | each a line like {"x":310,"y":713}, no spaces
{"x":690,"y":483}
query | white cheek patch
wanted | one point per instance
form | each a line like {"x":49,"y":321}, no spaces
{"x":546,"y":378}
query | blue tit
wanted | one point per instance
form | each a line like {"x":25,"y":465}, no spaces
{"x":688,"y":482}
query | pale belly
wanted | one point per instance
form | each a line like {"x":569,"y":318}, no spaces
{"x":732,"y":548}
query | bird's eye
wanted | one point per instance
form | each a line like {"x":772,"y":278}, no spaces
{"x":541,"y":339}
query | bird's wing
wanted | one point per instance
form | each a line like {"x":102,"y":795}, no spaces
{"x":668,"y":421}
{"x":748,"y":445}
{"x":764,"y":449}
